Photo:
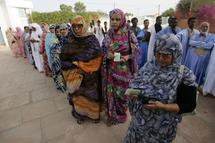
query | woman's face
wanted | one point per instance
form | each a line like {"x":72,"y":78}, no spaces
{"x":115,"y":21}
{"x":77,"y":28}
{"x":44,"y":27}
{"x":57,"y":32}
{"x":63,"y":31}
{"x":163,"y":59}
{"x":52,"y":30}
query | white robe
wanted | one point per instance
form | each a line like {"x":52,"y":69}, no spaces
{"x":184,"y":37}
{"x":209,"y":85}
{"x":91,"y":29}
{"x":150,"y":54}
{"x":99,"y":34}
{"x":165,"y":30}
{"x":35,"y":52}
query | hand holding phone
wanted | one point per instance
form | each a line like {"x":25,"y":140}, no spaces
{"x":155,"y":105}
{"x":146,"y":100}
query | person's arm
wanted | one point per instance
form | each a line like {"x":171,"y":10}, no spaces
{"x":140,"y":35}
{"x":180,"y":35}
{"x":202,"y":44}
{"x":186,"y":101}
{"x":205,"y":45}
{"x":173,"y":107}
{"x":90,"y":66}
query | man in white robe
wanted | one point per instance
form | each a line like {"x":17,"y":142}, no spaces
{"x":99,"y":32}
{"x":186,"y":34}
{"x":172,"y":28}
{"x":153,"y":30}
{"x":209,"y":85}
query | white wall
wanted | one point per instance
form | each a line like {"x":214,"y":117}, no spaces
{"x":4,"y":22}
{"x":20,"y":3}
{"x":13,"y":6}
{"x":9,"y":14}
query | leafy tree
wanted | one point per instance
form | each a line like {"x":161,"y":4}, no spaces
{"x":206,"y":12}
{"x":199,"y":3}
{"x":102,"y":14}
{"x":64,"y":7}
{"x":184,"y":7}
{"x":63,"y":15}
{"x":187,"y":7}
{"x":56,"y":17}
{"x":79,"y":7}
{"x":168,"y":12}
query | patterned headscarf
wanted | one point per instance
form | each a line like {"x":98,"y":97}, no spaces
{"x":169,"y":44}
{"x":162,"y":82}
{"x":63,"y":26}
{"x":45,"y":27}
{"x":122,"y":15}
{"x":80,"y":20}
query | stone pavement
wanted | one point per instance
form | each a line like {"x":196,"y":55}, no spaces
{"x":32,"y":111}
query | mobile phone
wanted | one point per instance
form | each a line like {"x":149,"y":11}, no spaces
{"x":145,"y":100}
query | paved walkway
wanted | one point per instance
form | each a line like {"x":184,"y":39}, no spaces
{"x":32,"y":111}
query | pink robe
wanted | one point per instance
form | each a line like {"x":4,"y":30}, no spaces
{"x":19,"y":40}
{"x":13,"y":42}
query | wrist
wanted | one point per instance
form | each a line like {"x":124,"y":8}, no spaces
{"x":163,"y":106}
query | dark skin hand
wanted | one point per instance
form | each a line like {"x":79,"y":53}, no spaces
{"x":170,"y":107}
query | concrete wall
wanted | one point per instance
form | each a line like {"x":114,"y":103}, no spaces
{"x":5,"y":20}
{"x":13,"y":7}
{"x":10,"y":14}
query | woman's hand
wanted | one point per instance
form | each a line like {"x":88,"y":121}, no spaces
{"x":58,"y":51}
{"x":125,"y":58}
{"x":155,"y":105}
{"x":171,"y":107}
{"x":133,"y":46}
{"x":110,"y":55}
{"x":75,"y":63}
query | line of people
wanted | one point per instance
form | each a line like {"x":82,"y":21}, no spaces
{"x":118,"y":74}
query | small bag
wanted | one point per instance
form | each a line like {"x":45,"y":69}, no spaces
{"x":182,"y":91}
{"x":73,"y":79}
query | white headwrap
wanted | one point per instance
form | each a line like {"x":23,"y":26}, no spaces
{"x":36,"y":34}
